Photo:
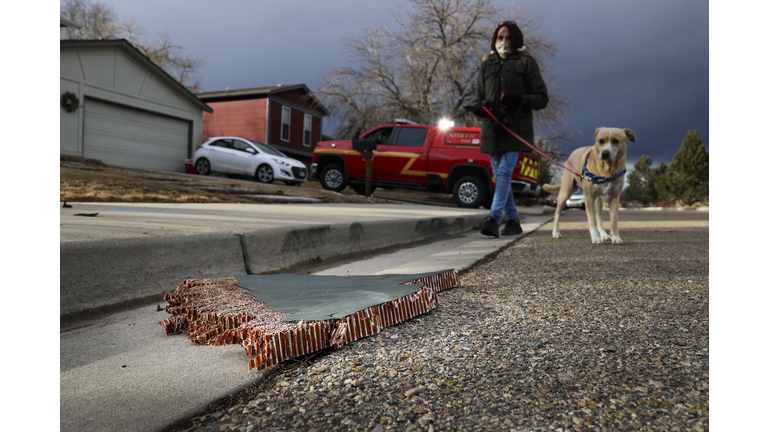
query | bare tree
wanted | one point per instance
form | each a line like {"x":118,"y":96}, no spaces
{"x":100,"y":22}
{"x":427,"y":67}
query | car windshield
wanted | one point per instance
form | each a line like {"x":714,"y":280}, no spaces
{"x":578,"y":193}
{"x":267,"y":149}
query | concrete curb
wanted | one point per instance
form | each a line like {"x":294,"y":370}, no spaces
{"x":271,"y":250}
{"x":103,"y":273}
{"x":107,"y":272}
{"x":706,"y":209}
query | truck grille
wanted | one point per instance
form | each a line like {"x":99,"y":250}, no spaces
{"x":299,"y":173}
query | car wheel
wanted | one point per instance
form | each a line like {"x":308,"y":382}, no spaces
{"x":469,"y":192}
{"x":333,"y":178}
{"x":265,"y":174}
{"x":203,"y":166}
{"x":360,"y":188}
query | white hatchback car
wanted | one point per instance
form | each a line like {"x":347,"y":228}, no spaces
{"x":233,"y":155}
{"x":576,"y":200}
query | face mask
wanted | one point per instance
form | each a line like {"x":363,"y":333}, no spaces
{"x":504,"y":48}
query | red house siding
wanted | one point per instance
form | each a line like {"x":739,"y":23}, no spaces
{"x":258,"y":117}
{"x":296,"y":135}
{"x":294,"y":96}
{"x":243,"y":118}
{"x":317,"y":131}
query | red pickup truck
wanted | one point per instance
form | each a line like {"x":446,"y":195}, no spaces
{"x":422,"y":157}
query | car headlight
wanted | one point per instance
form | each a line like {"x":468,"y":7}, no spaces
{"x":279,"y":162}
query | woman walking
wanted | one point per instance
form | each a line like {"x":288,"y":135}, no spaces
{"x":511,"y":87}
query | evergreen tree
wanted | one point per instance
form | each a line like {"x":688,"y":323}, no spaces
{"x":690,"y":167}
{"x":663,"y":182}
{"x":639,"y":181}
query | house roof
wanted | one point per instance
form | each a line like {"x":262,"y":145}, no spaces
{"x":65,"y":22}
{"x":262,"y":92}
{"x":137,"y":55}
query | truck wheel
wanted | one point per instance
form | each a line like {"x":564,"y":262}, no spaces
{"x":333,"y":178}
{"x":469,"y":192}
{"x":360,"y":188}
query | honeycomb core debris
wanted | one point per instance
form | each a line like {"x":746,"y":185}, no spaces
{"x":220,"y":312}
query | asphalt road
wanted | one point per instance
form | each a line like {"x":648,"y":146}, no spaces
{"x":119,"y":371}
{"x":549,"y":335}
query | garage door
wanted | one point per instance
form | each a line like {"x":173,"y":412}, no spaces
{"x":126,"y":137}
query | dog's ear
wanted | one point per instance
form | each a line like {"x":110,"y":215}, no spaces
{"x":630,"y":135}
{"x":597,"y":131}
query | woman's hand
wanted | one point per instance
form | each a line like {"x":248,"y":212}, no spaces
{"x":477,"y":110}
{"x":511,"y":100}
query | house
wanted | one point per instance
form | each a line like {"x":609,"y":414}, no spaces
{"x":119,"y":107}
{"x":287,"y":117}
{"x":66,"y":22}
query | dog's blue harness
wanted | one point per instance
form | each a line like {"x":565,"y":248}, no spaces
{"x":585,"y":174}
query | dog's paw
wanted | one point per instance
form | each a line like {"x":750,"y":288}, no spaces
{"x":616,"y":240}
{"x":556,"y":234}
{"x":595,"y":236}
{"x":604,"y":236}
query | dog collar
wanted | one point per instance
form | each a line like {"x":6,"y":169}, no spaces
{"x":597,"y":179}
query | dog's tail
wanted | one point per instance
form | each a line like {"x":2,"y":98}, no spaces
{"x":552,"y":188}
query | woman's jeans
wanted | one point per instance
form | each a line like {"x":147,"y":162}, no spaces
{"x":503,"y":164}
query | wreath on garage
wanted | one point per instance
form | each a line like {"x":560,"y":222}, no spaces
{"x":70,"y":102}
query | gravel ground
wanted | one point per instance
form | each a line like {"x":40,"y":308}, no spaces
{"x":547,"y":335}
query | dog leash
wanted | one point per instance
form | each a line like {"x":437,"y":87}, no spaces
{"x":533,"y":147}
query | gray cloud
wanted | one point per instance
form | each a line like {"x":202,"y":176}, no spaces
{"x":641,"y":65}
{"x":637,"y":64}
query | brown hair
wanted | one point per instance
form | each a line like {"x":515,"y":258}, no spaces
{"x":515,"y":35}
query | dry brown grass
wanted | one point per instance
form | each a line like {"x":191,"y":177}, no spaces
{"x":77,"y":185}
{"x":89,"y":180}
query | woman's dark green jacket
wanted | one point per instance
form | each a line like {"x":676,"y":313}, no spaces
{"x":519,"y":74}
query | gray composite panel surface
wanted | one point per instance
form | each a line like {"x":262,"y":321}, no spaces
{"x":317,"y":298}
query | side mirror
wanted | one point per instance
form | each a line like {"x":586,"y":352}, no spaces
{"x":250,"y":150}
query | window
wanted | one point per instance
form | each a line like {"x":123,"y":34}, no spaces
{"x":307,"y":129}
{"x":381,"y":135}
{"x":243,"y":146}
{"x":222,"y":143}
{"x":412,"y":136}
{"x":285,"y":130}
{"x":267,"y":149}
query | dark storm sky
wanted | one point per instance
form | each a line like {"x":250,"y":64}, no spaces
{"x":642,"y":65}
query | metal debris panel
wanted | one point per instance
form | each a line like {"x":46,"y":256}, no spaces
{"x":261,"y":312}
{"x":317,"y":298}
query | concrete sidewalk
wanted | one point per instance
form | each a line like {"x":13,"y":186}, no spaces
{"x":113,"y":253}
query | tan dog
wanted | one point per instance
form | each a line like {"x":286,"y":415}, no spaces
{"x":606,"y":164}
